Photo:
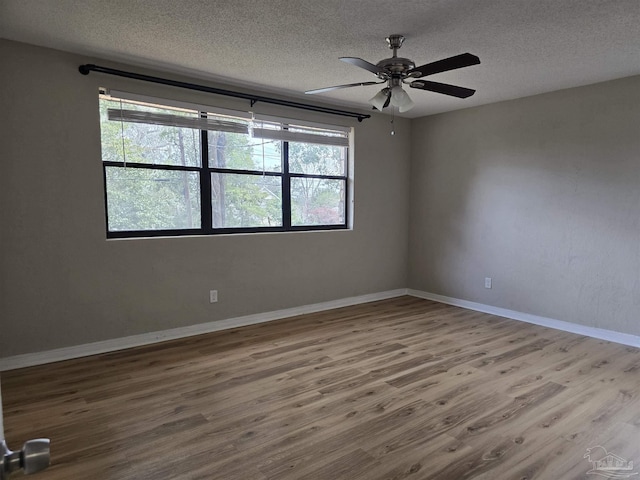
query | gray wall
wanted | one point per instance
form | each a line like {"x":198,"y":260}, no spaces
{"x":62,"y":283}
{"x":543,"y":195}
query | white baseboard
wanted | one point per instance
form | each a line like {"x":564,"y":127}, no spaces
{"x":67,"y":353}
{"x":599,"y":333}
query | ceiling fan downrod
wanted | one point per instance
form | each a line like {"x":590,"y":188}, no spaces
{"x":395,"y":41}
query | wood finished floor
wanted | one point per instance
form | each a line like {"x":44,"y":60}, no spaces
{"x":397,"y":389}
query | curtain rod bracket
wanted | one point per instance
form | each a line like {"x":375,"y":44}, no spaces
{"x":87,"y":68}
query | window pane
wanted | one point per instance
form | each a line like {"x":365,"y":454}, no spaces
{"x":315,"y":159}
{"x":144,"y":143}
{"x":246,"y":200}
{"x":267,"y":155}
{"x":317,"y":201}
{"x":241,"y":152}
{"x":150,"y":199}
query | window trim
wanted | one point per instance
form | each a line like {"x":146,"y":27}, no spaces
{"x":205,"y":171}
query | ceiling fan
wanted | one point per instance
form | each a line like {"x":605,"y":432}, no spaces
{"x":396,"y":70}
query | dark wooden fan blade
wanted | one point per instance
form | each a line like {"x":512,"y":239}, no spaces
{"x":445,"y":88}
{"x":328,"y":89}
{"x":358,"y":62}
{"x":451,"y":63}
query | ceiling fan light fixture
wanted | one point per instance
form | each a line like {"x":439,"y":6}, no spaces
{"x":401,"y":99}
{"x":380,"y":99}
{"x":408,"y":105}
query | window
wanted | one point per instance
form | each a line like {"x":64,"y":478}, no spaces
{"x":181,"y":169}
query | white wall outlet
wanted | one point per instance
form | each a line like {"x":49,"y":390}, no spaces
{"x":487,"y":282}
{"x":213,"y":296}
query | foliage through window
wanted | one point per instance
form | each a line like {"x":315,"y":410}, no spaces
{"x":176,"y":169}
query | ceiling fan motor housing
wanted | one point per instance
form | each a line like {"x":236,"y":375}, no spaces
{"x":395,"y":67}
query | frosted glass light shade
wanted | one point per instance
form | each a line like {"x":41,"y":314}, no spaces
{"x":401,"y":99}
{"x":380,"y":99}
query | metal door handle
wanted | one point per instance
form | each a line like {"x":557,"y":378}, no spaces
{"x":34,"y":456}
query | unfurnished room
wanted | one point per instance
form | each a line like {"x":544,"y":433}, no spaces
{"x":324,"y":240}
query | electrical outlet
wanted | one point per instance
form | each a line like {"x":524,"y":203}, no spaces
{"x":487,"y":282}
{"x":213,"y":296}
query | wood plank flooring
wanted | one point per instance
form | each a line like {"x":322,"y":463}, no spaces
{"x":397,"y":389}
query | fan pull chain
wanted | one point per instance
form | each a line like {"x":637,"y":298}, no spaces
{"x":393,"y":117}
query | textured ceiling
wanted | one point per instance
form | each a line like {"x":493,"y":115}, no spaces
{"x":289,"y":46}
